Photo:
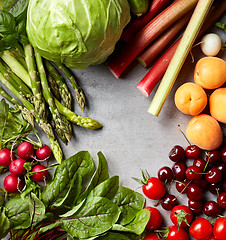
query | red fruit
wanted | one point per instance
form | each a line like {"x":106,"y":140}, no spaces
{"x":152,"y":236}
{"x":17,"y":167}
{"x":6,"y":156}
{"x":219,"y":228}
{"x":176,"y":233}
{"x":43,"y":152}
{"x":25,"y":150}
{"x":221,"y":199}
{"x":40,"y":173}
{"x":155,"y":220}
{"x":12,"y":184}
{"x":193,"y":173}
{"x":154,"y":188}
{"x":192,"y":152}
{"x":181,"y":216}
{"x":201,"y":229}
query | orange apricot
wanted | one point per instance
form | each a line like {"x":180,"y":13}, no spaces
{"x":210,"y":72}
{"x":205,"y":132}
{"x":190,"y":98}
{"x":217,"y":104}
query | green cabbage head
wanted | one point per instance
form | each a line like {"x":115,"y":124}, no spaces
{"x":78,"y":33}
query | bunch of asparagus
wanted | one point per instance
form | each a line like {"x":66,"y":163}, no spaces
{"x":42,"y":95}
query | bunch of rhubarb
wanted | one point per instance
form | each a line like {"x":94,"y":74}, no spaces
{"x":166,"y":33}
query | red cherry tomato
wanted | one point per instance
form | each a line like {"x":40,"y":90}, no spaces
{"x":201,"y":229}
{"x":152,"y":236}
{"x":176,"y":233}
{"x":179,"y":214}
{"x":219,"y":228}
{"x":154,"y":188}
{"x":155,"y":220}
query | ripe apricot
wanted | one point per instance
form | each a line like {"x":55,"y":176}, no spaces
{"x":210,"y":72}
{"x":205,"y":132}
{"x":190,"y":98}
{"x":217,"y":104}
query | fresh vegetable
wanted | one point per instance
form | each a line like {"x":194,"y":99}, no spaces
{"x":68,"y":206}
{"x":135,"y":25}
{"x":181,"y":215}
{"x":211,"y":44}
{"x":25,"y":150}
{"x":201,"y":229}
{"x":12,"y":184}
{"x":190,"y":98}
{"x":217,"y":101}
{"x":163,"y":41}
{"x":146,"y":35}
{"x":89,"y":41}
{"x":155,"y":220}
{"x":44,"y":152}
{"x":152,"y":236}
{"x":223,"y":27}
{"x":39,"y":173}
{"x":219,"y":228}
{"x":138,"y":7}
{"x":210,"y":72}
{"x":180,"y":55}
{"x":17,"y":168}
{"x":205,"y":132}
{"x":154,"y":75}
{"x":6,"y":157}
{"x":175,"y":233}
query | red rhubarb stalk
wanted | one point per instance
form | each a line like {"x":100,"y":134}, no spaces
{"x":146,"y":35}
{"x":139,"y":22}
{"x":152,"y":51}
{"x":157,"y":71}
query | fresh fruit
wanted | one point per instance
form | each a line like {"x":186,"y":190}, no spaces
{"x":152,"y":236}
{"x":176,"y":233}
{"x":192,"y":152}
{"x":217,"y":103}
{"x":214,"y":175}
{"x":155,"y":220}
{"x":211,"y":44}
{"x":165,"y":173}
{"x":194,"y":192}
{"x":201,"y":229}
{"x":205,"y":132}
{"x":210,"y":72}
{"x":179,"y":170}
{"x":12,"y":184}
{"x":17,"y":167}
{"x":177,"y":154}
{"x":39,"y":173}
{"x":181,"y":215}
{"x":221,"y":199}
{"x":219,"y":228}
{"x":168,"y":202}
{"x":190,"y":98}
{"x":25,"y":150}
{"x":6,"y":156}
{"x":211,"y":208}
{"x":193,"y":173}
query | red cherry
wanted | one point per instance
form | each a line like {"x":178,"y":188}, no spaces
{"x":192,"y":152}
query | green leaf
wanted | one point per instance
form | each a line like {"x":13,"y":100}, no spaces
{"x":8,"y":42}
{"x":138,"y":225}
{"x":4,"y":223}
{"x":221,"y":25}
{"x":100,"y":175}
{"x":96,"y":216}
{"x":129,"y":202}
{"x":7,"y":23}
{"x":37,"y":209}
{"x":65,"y":185}
{"x":17,"y":211}
{"x":16,"y":7}
{"x":113,"y":236}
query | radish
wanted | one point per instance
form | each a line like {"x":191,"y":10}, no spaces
{"x":12,"y":184}
{"x":6,"y":157}
{"x":40,"y":173}
{"x":17,"y":167}
{"x":25,"y":150}
{"x":43,"y":152}
{"x":211,"y":44}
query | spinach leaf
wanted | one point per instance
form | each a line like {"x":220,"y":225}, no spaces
{"x":100,"y":175}
{"x":138,"y":224}
{"x":129,"y":202}
{"x":7,"y":22}
{"x":17,"y":211}
{"x":113,"y":236}
{"x":37,"y":209}
{"x":96,"y":216}
{"x":106,"y":189}
{"x":4,"y":223}
{"x":66,"y":184}
{"x":12,"y":125}
{"x":16,"y":7}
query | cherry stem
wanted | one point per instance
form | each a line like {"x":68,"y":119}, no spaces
{"x":184,"y":135}
{"x":185,"y":186}
{"x":207,"y":162}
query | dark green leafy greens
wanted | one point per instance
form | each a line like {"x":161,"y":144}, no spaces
{"x":223,"y":27}
{"x":69,"y":207}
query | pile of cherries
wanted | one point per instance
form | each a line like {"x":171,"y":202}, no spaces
{"x":196,"y":172}
{"x":15,"y":163}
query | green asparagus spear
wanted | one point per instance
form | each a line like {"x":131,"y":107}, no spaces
{"x":77,"y":119}
{"x":62,"y":86}
{"x":61,"y":125}
{"x":80,"y":96}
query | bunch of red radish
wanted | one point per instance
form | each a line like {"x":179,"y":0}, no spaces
{"x":26,"y":152}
